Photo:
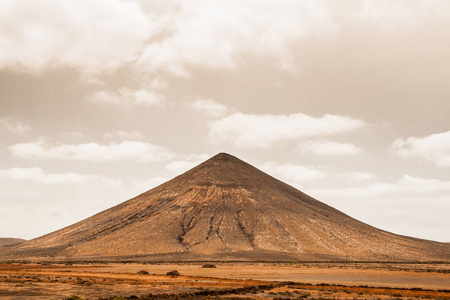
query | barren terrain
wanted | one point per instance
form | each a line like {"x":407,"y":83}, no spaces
{"x":227,"y":280}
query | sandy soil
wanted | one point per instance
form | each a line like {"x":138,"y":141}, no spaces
{"x":255,"y":281}
{"x":403,"y":276}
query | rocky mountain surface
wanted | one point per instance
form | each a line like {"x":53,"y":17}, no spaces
{"x":226,"y":209}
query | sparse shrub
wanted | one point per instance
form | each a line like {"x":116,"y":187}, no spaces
{"x":74,"y":297}
{"x":143,"y":272}
{"x":173,"y":273}
{"x":208,"y":266}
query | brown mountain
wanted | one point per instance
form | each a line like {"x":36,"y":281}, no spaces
{"x":10,"y":241}
{"x":225,"y":209}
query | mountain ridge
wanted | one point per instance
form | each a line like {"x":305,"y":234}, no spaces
{"x":226,"y":209}
{"x":10,"y":241}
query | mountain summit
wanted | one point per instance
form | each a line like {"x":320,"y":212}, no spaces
{"x":226,"y":209}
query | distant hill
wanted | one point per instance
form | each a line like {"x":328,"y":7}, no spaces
{"x":10,"y":241}
{"x":226,"y":209}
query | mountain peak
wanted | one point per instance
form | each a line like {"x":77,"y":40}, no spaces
{"x":224,"y":168}
{"x":224,"y":157}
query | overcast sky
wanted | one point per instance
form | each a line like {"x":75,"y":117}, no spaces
{"x":348,"y":101}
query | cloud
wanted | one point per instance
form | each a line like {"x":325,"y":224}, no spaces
{"x":177,"y":35}
{"x":88,"y":78}
{"x":210,"y":107}
{"x":159,"y":83}
{"x":358,"y":176}
{"x":125,"y":135}
{"x":73,"y":134}
{"x":212,"y":34}
{"x":128,"y":97}
{"x":39,"y":176}
{"x":263,"y":131}
{"x":93,"y":35}
{"x":149,"y":184}
{"x":389,"y":15}
{"x":407,"y":186}
{"x":293,"y":174}
{"x":329,"y":148}
{"x":434,"y":148}
{"x":13,"y":125}
{"x":423,"y":185}
{"x":135,"y":151}
{"x":101,"y":35}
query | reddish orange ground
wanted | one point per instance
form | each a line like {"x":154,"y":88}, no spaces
{"x":342,"y":281}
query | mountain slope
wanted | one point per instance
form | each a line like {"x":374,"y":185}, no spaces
{"x":226,"y":209}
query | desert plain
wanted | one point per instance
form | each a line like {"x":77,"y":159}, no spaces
{"x":228,"y":280}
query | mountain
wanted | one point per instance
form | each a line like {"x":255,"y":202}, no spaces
{"x":10,"y":241}
{"x":226,"y":209}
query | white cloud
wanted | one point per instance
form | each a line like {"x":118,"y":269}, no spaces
{"x":210,"y":107}
{"x":73,"y":134}
{"x":214,"y":34}
{"x":434,"y":148}
{"x":14,"y":125}
{"x":101,"y":35}
{"x":357,"y":176}
{"x":389,"y":15}
{"x":329,"y":148}
{"x":94,"y":35}
{"x":293,"y":174}
{"x":423,"y":185}
{"x":408,"y":186}
{"x":175,"y":35}
{"x":159,"y":83}
{"x":88,"y":78}
{"x":125,"y":135}
{"x":38,"y":175}
{"x":144,"y":185}
{"x":262,"y":131}
{"x":125,"y":151}
{"x":128,"y":97}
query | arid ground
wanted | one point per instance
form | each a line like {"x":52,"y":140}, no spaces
{"x":226,"y":281}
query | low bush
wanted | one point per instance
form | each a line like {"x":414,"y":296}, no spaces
{"x":74,"y":297}
{"x":173,"y":273}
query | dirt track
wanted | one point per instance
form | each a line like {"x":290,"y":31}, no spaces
{"x":308,"y":281}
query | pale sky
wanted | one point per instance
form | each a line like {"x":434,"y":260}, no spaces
{"x":347,"y":101}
